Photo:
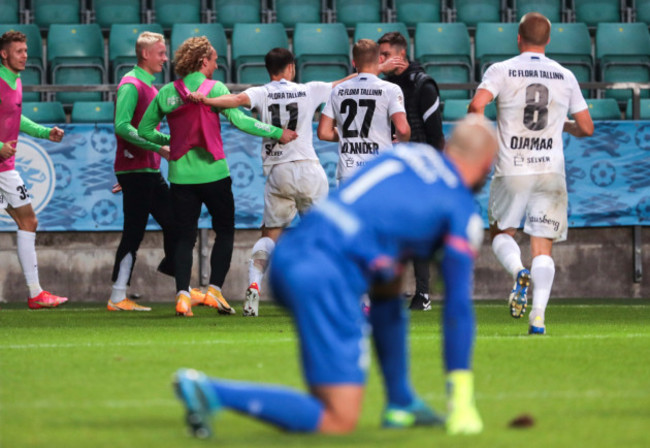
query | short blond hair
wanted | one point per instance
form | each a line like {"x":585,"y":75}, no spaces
{"x":365,"y":52}
{"x":189,"y":56}
{"x":145,"y":40}
{"x":473,"y":137}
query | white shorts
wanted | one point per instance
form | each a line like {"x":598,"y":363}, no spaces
{"x":12,"y":190}
{"x":540,"y":198}
{"x":292,"y":187}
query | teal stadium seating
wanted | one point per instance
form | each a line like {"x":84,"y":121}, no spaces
{"x":93,"y":112}
{"x":571,"y":46}
{"x":623,"y":52}
{"x":644,"y":110}
{"x":374,"y":31}
{"x":471,"y":12}
{"x":322,"y":51}
{"x":121,"y":48}
{"x":454,"y":110}
{"x":593,"y":12}
{"x":44,"y":112}
{"x":250,"y":43}
{"x":604,"y":109}
{"x":290,"y":12}
{"x":552,"y":9}
{"x":109,"y":12}
{"x":75,"y":54}
{"x":351,"y":12}
{"x":495,"y":42}
{"x":412,"y":12}
{"x":230,"y":12}
{"x":642,"y":10}
{"x":9,"y":11}
{"x":169,"y":12}
{"x":34,"y":73}
{"x":217,"y":37}
{"x":444,"y":51}
{"x":48,"y":12}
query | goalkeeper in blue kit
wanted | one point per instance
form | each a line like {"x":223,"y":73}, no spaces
{"x":408,"y":202}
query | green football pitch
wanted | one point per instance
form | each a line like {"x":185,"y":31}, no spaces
{"x":80,"y":376}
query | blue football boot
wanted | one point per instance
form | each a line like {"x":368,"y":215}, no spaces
{"x":193,"y":389}
{"x":517,"y":300}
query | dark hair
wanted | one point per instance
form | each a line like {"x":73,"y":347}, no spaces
{"x":277,"y":60}
{"x":394,"y":38}
{"x":535,"y":29}
{"x":11,"y":36}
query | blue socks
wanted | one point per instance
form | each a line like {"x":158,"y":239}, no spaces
{"x":389,"y":323}
{"x":287,"y":408}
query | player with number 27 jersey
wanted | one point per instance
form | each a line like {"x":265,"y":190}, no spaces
{"x":534,"y":95}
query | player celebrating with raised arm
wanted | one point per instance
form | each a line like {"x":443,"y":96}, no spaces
{"x":534,"y":95}
{"x":14,"y":196}
{"x":412,"y":200}
{"x":137,"y":167}
{"x":198,"y":170}
{"x":359,"y":113}
{"x":295,"y":177}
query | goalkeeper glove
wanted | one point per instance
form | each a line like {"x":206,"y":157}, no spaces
{"x":463,"y":416}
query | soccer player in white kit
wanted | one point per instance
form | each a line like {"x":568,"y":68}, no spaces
{"x":295,"y":177}
{"x":534,"y":95}
{"x":359,"y":113}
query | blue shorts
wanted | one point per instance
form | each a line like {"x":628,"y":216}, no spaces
{"x":323,"y":293}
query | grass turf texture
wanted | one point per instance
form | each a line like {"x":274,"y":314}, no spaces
{"x":80,"y":376}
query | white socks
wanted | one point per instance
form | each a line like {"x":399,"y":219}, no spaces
{"x":542,"y":273}
{"x":508,"y":253}
{"x":119,"y":288}
{"x":259,"y":260}
{"x":26,"y":245}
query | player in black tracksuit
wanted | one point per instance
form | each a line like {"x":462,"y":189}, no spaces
{"x":423,"y":111}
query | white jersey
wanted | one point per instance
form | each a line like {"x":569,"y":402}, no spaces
{"x":288,"y":105}
{"x":534,"y":95}
{"x":362,"y":107}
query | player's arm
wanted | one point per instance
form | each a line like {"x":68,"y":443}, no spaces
{"x":27,"y":126}
{"x":431,"y":116}
{"x":482,"y":98}
{"x":327,"y":129}
{"x":581,"y":126}
{"x":127,"y":100}
{"x":228,"y":101}
{"x":402,"y":128}
{"x":150,"y":120}
{"x":336,"y":83}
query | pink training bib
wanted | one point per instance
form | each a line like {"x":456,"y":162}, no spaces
{"x":11,"y":108}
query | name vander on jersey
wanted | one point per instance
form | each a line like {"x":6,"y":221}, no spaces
{"x":359,"y":148}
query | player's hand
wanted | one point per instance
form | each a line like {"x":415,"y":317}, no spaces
{"x":8,"y":149}
{"x":164,"y":152}
{"x":288,"y":136}
{"x":463,"y":416}
{"x":197,"y":97}
{"x":56,"y":134}
{"x":116,"y":188}
{"x":392,"y":64}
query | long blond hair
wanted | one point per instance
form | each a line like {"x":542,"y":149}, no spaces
{"x":189,"y":56}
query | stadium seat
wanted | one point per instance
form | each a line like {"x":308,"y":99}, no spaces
{"x":642,"y":10}
{"x":495,"y":42}
{"x":322,"y":51}
{"x":471,"y":12}
{"x":34,"y":73}
{"x":552,"y":9}
{"x":623,"y":52}
{"x":351,"y":12}
{"x":443,"y":49}
{"x":217,"y":36}
{"x":604,"y":109}
{"x":121,"y":48}
{"x":108,"y":12}
{"x":169,"y":12}
{"x":374,"y":31}
{"x":9,"y":11}
{"x":454,"y":110}
{"x":593,"y":12}
{"x":412,"y":12}
{"x":644,"y":111}
{"x":48,"y":12}
{"x":93,"y":112}
{"x":571,"y":46}
{"x":250,"y":43}
{"x":44,"y":112}
{"x":230,"y":12}
{"x":290,"y":12}
{"x":75,"y":54}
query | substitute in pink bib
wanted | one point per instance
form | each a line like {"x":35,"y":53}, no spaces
{"x":11,"y":108}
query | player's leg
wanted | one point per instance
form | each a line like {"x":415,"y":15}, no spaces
{"x":507,"y":207}
{"x":137,"y":195}
{"x":421,"y":300}
{"x":257,"y":265}
{"x":163,"y":213}
{"x":19,"y":207}
{"x":186,"y":204}
{"x":217,"y":197}
{"x":542,"y":274}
